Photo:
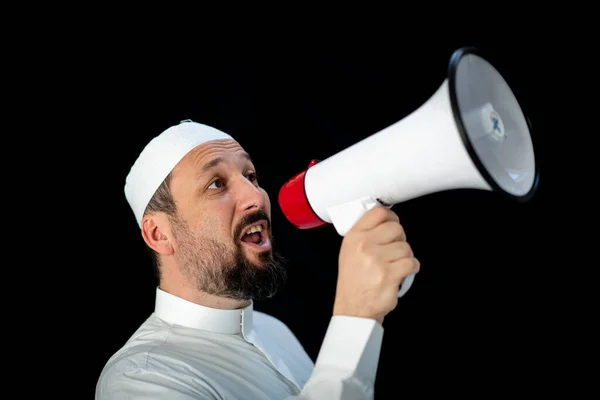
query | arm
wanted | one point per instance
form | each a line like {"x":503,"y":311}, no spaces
{"x":347,"y":362}
{"x":374,"y":260}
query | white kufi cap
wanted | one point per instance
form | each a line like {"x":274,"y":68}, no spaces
{"x":158,"y":159}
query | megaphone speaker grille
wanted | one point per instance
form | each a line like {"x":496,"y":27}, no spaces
{"x":492,"y":124}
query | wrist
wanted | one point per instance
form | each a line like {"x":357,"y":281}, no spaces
{"x":339,"y":310}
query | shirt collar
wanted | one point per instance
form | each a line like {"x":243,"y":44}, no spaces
{"x":177,"y":311}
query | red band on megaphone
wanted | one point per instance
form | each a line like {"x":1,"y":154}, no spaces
{"x":295,"y":205}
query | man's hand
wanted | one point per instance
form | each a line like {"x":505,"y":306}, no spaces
{"x":374,"y":260}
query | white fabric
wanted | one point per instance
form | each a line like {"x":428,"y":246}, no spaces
{"x":186,"y":351}
{"x":159,"y":157}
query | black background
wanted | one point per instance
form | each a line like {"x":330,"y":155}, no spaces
{"x":470,"y":323}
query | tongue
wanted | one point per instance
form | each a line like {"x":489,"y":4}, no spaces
{"x":253,"y":237}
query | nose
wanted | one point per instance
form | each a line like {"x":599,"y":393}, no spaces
{"x":250,"y":197}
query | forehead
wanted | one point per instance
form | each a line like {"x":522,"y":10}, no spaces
{"x":205,"y":155}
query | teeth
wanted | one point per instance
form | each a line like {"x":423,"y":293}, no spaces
{"x":256,"y":228}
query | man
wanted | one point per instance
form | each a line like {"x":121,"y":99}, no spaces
{"x":201,"y":211}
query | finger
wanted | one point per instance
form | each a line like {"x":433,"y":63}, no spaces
{"x":405,"y":267}
{"x":374,"y":217}
{"x":395,"y":251}
{"x":389,"y":232}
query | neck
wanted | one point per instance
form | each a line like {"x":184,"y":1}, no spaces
{"x":202,"y":298}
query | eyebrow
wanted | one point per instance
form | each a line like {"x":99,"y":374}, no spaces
{"x":216,"y":161}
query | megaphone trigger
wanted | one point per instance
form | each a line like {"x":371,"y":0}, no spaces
{"x":343,"y":217}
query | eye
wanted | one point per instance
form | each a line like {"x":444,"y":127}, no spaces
{"x":252,"y":176}
{"x":217,"y":184}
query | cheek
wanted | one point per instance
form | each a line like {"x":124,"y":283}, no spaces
{"x":212,"y":223}
{"x":216,"y":221}
{"x":267,"y":201}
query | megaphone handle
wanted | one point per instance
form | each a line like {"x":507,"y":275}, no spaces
{"x":344,"y":216}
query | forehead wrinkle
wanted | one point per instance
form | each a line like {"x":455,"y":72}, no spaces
{"x":215,"y":162}
{"x":201,"y":152}
{"x":208,"y":156}
{"x":192,"y":160}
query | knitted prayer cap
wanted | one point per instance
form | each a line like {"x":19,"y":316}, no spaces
{"x":159,"y":157}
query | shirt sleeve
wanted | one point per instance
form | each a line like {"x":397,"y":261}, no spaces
{"x":347,"y":363}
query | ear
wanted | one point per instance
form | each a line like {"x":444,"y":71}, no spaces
{"x":157,"y":233}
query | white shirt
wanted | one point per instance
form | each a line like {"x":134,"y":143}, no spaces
{"x":187,"y":351}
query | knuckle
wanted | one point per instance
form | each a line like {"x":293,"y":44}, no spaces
{"x":380,"y":213}
{"x":370,"y":260}
{"x":400,"y":230}
{"x":406,"y":248}
{"x":379,"y":277}
{"x":408,"y":265}
{"x":395,"y":228}
{"x":417,"y":265}
{"x":361,"y":245}
{"x":405,"y":267}
{"x":362,"y":249}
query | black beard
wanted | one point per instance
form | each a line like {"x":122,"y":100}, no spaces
{"x":243,"y":280}
{"x":218,"y":271}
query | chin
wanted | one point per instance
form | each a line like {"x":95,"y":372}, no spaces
{"x":261,"y":259}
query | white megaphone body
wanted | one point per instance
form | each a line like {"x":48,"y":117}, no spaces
{"x":471,"y":134}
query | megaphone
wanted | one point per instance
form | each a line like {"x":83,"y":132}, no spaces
{"x":470,"y":134}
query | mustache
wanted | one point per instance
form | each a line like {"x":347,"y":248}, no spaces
{"x":250,"y":219}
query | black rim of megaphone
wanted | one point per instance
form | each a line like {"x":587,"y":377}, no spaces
{"x":453,"y":65}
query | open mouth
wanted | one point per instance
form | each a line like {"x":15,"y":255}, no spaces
{"x":256,"y":234}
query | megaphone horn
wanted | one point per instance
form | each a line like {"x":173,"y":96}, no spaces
{"x":470,"y":134}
